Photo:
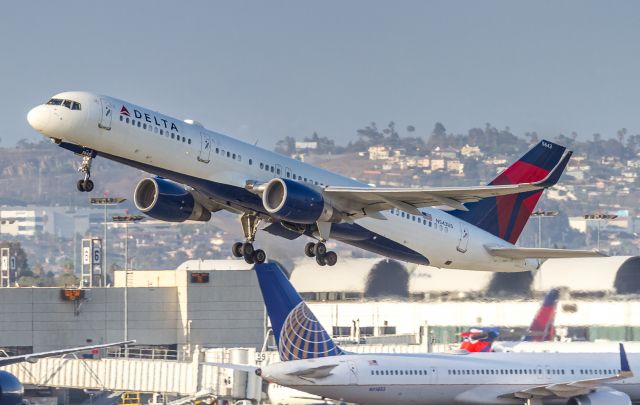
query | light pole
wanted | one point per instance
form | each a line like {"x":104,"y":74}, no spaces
{"x":599,"y":217}
{"x":542,"y":214}
{"x":126,"y":220}
{"x":105,"y":201}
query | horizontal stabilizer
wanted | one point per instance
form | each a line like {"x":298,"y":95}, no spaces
{"x":540,"y":253}
{"x":238,"y":367}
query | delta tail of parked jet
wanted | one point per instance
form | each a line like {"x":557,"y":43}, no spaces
{"x":200,"y":171}
{"x":311,"y":362}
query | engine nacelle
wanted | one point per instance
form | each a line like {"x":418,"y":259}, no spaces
{"x":601,"y":397}
{"x":296,"y":202}
{"x":168,"y":201}
{"x":11,"y":389}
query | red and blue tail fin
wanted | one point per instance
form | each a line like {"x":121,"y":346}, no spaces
{"x":542,"y":328}
{"x":297,"y":332}
{"x":505,"y":216}
{"x":479,"y":339}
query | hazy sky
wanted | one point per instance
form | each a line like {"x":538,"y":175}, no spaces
{"x":264,"y":70}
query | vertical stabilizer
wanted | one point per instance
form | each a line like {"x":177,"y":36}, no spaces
{"x":297,"y":332}
{"x":542,"y":328}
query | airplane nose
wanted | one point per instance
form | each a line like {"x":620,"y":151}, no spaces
{"x":38,"y":118}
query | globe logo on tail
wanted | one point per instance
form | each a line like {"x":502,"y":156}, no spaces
{"x":302,"y":337}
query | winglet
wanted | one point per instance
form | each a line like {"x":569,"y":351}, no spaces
{"x":553,"y":176}
{"x":624,"y":362}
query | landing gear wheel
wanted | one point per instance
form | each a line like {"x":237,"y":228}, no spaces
{"x":331,"y":258}
{"x":320,"y":249}
{"x":247,"y":249}
{"x":248,"y":258}
{"x":309,"y":249}
{"x":88,"y":185}
{"x":80,"y":186}
{"x":320,"y":260}
{"x":259,"y":256}
{"x":236,"y":249}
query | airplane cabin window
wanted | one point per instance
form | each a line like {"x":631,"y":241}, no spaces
{"x":228,"y":154}
{"x":67,"y":103}
{"x":133,"y":122}
{"x":161,"y":132}
{"x":121,"y":118}
{"x":233,"y":156}
{"x":271,"y":169}
{"x":127,"y":120}
{"x":217,"y":150}
{"x":172,"y":135}
{"x":144,"y":126}
{"x":250,"y":162}
{"x":261,"y":165}
{"x":278,"y":171}
{"x":189,"y":142}
{"x":139,"y":125}
{"x":54,"y":101}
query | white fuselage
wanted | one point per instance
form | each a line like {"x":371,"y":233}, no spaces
{"x":563,"y":347}
{"x":480,"y":378}
{"x":190,"y":154}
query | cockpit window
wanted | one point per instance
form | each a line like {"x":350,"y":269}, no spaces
{"x":70,"y":104}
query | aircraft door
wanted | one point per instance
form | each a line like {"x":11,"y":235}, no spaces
{"x":433,"y":375}
{"x":205,"y":148}
{"x":463,"y":242}
{"x":353,"y":372}
{"x":106,"y":115}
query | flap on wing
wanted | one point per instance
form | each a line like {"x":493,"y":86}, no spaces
{"x":540,"y":253}
{"x":410,"y":199}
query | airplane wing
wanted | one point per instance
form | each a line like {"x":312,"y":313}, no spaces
{"x":373,"y":199}
{"x":540,"y":253}
{"x":33,"y":357}
{"x":575,"y":388}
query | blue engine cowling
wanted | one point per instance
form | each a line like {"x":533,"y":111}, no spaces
{"x":11,"y":389}
{"x":168,"y":201}
{"x":291,"y":201}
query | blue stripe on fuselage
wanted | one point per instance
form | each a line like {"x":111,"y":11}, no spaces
{"x":238,"y":197}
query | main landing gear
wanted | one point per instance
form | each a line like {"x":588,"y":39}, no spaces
{"x":246,"y":249}
{"x":85,"y":184}
{"x":319,"y":251}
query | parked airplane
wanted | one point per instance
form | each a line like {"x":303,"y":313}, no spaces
{"x":313,"y":363}
{"x":11,"y":389}
{"x":542,"y":329}
{"x":294,"y":198}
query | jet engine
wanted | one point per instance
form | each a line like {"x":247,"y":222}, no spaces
{"x":11,"y":390}
{"x":168,"y":201}
{"x":291,"y":201}
{"x":601,"y":397}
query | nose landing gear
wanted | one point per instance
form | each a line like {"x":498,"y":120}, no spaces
{"x":319,"y":251}
{"x":85,"y":184}
{"x":246,"y":250}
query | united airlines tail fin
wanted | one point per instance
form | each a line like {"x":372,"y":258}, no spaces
{"x":297,"y":332}
{"x":505,"y":216}
{"x":542,"y":328}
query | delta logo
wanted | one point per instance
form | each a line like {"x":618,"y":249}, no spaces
{"x":151,"y":119}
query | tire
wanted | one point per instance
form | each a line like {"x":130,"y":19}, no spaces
{"x":249,"y":258}
{"x":309,"y":248}
{"x":88,"y":185}
{"x":331,"y":258}
{"x":80,"y":185}
{"x":259,"y":256}
{"x":247,"y":249}
{"x":320,"y":260}
{"x":236,"y":249}
{"x":320,"y":249}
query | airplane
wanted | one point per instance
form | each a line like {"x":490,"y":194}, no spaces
{"x":198,"y":172}
{"x":542,"y":328}
{"x":311,"y":362}
{"x":11,"y":389}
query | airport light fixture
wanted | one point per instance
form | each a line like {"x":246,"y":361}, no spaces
{"x":543,"y":214}
{"x":126,"y":220}
{"x":105,"y":202}
{"x":599,"y":217}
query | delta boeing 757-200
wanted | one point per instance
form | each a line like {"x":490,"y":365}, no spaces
{"x":200,"y":171}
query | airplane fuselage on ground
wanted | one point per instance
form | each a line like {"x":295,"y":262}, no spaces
{"x":220,"y":168}
{"x":478,"y":378}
